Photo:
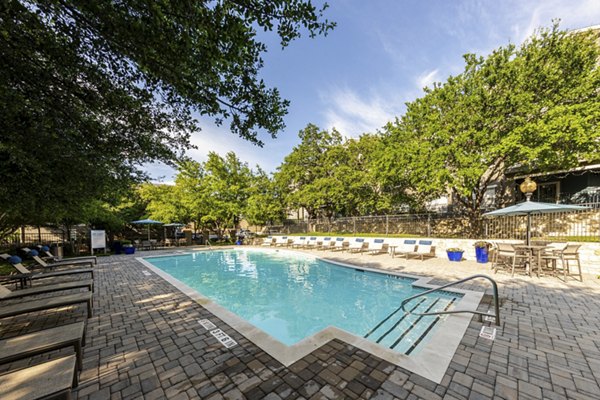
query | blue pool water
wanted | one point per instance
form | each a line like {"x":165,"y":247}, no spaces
{"x":292,"y":295}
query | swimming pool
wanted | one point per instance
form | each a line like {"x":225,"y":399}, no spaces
{"x":292,"y":296}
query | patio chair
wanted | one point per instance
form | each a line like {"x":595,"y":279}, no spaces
{"x":358,"y":246}
{"x":407,"y":247}
{"x":6,"y":293}
{"x":425,"y":249}
{"x":569,"y":253}
{"x":51,"y":257}
{"x":44,"y":341}
{"x":506,"y":254}
{"x":50,"y":379}
{"x":339,"y":244}
{"x":47,"y":303}
{"x":27,"y":275}
{"x":299,"y":242}
{"x":378,"y":247}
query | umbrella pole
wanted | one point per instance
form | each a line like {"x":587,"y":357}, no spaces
{"x":148,"y":232}
{"x":528,"y":241}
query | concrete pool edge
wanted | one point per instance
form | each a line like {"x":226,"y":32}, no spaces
{"x":431,"y":361}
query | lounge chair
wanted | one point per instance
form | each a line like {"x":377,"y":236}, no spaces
{"x":358,"y":246}
{"x":65,"y":263}
{"x":299,"y":242}
{"x":27,"y":275}
{"x":325,"y":244}
{"x":268,"y":241}
{"x":425,"y":249}
{"x":32,"y":344}
{"x":50,"y":379}
{"x":311,"y":243}
{"x":46,"y":304}
{"x":49,"y":256}
{"x":6,"y":293}
{"x":378,"y":247}
{"x":282,"y":241}
{"x":408,"y":246}
{"x":339,"y":244}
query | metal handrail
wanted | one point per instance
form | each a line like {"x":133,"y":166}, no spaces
{"x":494,"y":286}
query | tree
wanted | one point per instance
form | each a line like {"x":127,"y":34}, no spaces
{"x":305,"y":172}
{"x":91,"y":90}
{"x":535,"y":106}
{"x":224,"y":190}
{"x":265,"y":202}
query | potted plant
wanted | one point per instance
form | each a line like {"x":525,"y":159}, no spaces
{"x":455,"y":253}
{"x":482,"y":251}
{"x":127,"y":247}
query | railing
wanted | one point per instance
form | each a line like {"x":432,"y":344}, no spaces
{"x":496,"y":304}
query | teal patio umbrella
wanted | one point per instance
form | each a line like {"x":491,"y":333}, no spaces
{"x":533,"y":207}
{"x":147,"y":222}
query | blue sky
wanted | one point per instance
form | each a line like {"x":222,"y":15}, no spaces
{"x":381,"y":55}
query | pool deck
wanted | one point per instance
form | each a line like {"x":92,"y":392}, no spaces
{"x":145,"y":341}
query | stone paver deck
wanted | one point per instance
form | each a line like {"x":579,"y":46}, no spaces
{"x":144,"y":341}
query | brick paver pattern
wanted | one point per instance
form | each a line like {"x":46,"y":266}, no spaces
{"x":145,"y":341}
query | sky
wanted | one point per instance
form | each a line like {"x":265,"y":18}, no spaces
{"x":380,"y":56}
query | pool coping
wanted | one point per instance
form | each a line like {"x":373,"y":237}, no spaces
{"x":431,"y":361}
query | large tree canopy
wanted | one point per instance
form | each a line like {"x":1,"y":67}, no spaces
{"x":536,"y":106}
{"x":91,"y":89}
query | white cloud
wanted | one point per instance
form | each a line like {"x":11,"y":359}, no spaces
{"x":352,"y":114}
{"x":427,"y":78}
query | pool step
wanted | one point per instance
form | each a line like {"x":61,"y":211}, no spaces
{"x":404,"y":331}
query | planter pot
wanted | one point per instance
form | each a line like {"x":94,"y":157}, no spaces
{"x":455,"y":255}
{"x":481,"y":254}
{"x":129,"y":250}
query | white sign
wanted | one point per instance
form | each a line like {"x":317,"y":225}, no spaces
{"x":98,"y":239}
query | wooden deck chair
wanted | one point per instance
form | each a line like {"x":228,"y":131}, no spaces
{"x":50,"y":379}
{"x":28,"y":276}
{"x":44,"y":341}
{"x":6,"y":293}
{"x":65,"y":263}
{"x":52,"y":258}
{"x":282,"y":241}
{"x":425,"y":249}
{"x":46,"y":304}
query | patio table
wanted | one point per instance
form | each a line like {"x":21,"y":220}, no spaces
{"x":533,"y":250}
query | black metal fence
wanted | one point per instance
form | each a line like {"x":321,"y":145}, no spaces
{"x":574,"y":226}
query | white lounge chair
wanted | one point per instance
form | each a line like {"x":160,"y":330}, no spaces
{"x":378,"y":247}
{"x":425,"y":249}
{"x":358,"y":246}
{"x":311,"y":243}
{"x":408,"y":246}
{"x":283,"y":241}
{"x":299,"y":242}
{"x":339,"y":244}
{"x":268,"y":241}
{"x":325,"y":244}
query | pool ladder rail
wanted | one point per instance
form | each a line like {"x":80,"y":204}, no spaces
{"x":495,"y":291}
{"x":392,"y":333}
